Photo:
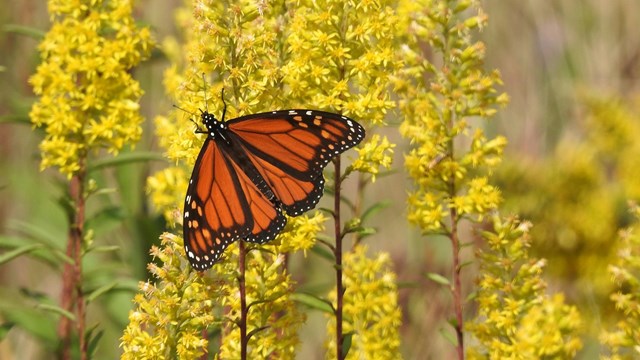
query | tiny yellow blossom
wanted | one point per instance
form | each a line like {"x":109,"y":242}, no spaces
{"x":88,"y":99}
{"x":371,"y":309}
{"x":375,"y":153}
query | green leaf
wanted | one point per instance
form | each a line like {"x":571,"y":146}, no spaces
{"x":30,"y":320}
{"x":106,"y":219}
{"x":256,"y":330}
{"x":101,"y":290}
{"x":44,"y":253}
{"x":374,"y":209}
{"x":313,"y":302}
{"x":323,"y":252}
{"x":56,"y":310}
{"x":346,"y":344}
{"x":31,"y":32}
{"x":346,"y":200}
{"x":127,"y":158}
{"x":466,"y":263}
{"x":448,"y":336}
{"x":38,"y":296}
{"x":38,"y":234}
{"x":5,"y":328}
{"x":104,"y":248}
{"x":328,"y":211}
{"x":17,"y":119}
{"x":364,"y":231}
{"x":439,"y":279}
{"x":105,"y":191}
{"x":92,"y":341}
{"x":10,"y":255}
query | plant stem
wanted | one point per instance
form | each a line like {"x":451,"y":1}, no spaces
{"x":338,"y":255}
{"x":72,"y":293}
{"x":455,"y":249}
{"x":205,"y":336}
{"x":243,"y":300}
{"x":457,"y":288}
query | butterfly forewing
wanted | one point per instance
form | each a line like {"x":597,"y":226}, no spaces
{"x":291,"y":147}
{"x":216,"y":210}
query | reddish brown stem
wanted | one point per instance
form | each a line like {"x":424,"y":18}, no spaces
{"x":66,"y":302}
{"x":72,"y":295}
{"x":243,"y":300}
{"x":338,"y":255}
{"x":205,"y":336}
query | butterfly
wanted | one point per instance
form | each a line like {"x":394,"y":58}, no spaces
{"x":252,"y":170}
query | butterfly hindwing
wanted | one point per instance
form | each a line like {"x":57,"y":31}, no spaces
{"x":291,"y":147}
{"x":268,"y":219}
{"x":216,"y":210}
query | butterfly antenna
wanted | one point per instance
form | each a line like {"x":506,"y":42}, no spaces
{"x":190,"y":113}
{"x":179,"y":108}
{"x":206,"y":104}
{"x":224,"y":109}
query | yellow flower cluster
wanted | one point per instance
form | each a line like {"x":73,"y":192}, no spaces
{"x":271,"y":307}
{"x":88,"y":99}
{"x":377,"y":152}
{"x":576,"y":198}
{"x":624,"y":340}
{"x":342,"y":56}
{"x":300,"y":232}
{"x":513,"y":306}
{"x":170,"y":314}
{"x":371,"y":311}
{"x":439,"y":109}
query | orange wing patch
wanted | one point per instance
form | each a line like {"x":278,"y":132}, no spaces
{"x":268,"y":219}
{"x":216,"y":208}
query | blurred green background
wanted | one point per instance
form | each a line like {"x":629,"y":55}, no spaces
{"x":570,"y":68}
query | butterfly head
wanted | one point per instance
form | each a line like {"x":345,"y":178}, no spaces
{"x":213,"y":127}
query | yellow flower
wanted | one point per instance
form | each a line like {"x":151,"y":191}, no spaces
{"x":87,"y":99}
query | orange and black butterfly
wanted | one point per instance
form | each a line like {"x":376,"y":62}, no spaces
{"x":252,"y":169}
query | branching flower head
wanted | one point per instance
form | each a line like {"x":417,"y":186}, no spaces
{"x":300,"y":232}
{"x":513,"y":306}
{"x":624,"y":341}
{"x":273,"y":317}
{"x":88,"y":99}
{"x":371,"y":311}
{"x":440,"y":109}
{"x":170,"y":314}
{"x":376,"y":153}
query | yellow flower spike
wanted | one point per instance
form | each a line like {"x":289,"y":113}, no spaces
{"x":514,"y":305}
{"x":370,"y":307}
{"x":177,"y":306}
{"x":87,"y":102}
{"x":623,"y":341}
